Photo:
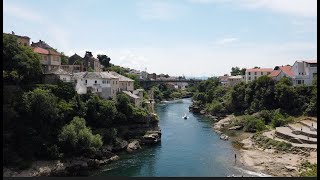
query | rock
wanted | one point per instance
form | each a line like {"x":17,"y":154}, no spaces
{"x":224,"y":137}
{"x":152,"y":138}
{"x":235,"y":128}
{"x":202,"y":112}
{"x":119,"y":144}
{"x":134,"y":145}
{"x":218,"y":132}
{"x":290,"y":168}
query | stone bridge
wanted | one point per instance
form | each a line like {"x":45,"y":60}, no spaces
{"x":149,"y":83}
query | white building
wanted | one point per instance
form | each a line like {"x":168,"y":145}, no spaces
{"x":234,"y":80}
{"x":104,"y":84}
{"x":255,"y":73}
{"x":304,"y":72}
{"x":125,"y":84}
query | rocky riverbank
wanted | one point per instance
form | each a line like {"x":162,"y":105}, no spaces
{"x":141,"y":134}
{"x":271,"y":160}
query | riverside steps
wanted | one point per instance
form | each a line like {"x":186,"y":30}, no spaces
{"x":292,"y":133}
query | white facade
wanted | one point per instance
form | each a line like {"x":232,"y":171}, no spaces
{"x":253,"y":74}
{"x":234,"y":80}
{"x":104,"y":84}
{"x":304,"y":72}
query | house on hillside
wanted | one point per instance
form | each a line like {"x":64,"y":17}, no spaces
{"x":50,"y":58}
{"x":22,"y":40}
{"x":223,"y":80}
{"x":234,"y":80}
{"x":55,"y":75}
{"x":125,"y":84}
{"x":104,"y":84}
{"x":136,"y":97}
{"x":280,"y":72}
{"x":304,"y":72}
{"x":90,"y":62}
{"x":255,"y":73}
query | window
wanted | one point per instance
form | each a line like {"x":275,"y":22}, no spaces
{"x":86,"y":81}
{"x":108,"y":82}
{"x":75,"y":81}
{"x":249,"y":78}
{"x":299,"y":73}
{"x":302,"y":81}
{"x":313,"y":65}
{"x":261,"y":73}
{"x":249,"y":73}
{"x":103,"y":81}
{"x":95,"y":81}
{"x":255,"y":73}
{"x":255,"y":77}
{"x":97,"y":90}
{"x":299,"y":82}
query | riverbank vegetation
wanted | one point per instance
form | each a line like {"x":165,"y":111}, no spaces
{"x":163,"y":92}
{"x":259,"y":104}
{"x":47,"y":122}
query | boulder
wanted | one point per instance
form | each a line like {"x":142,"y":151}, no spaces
{"x":152,"y":138}
{"x":202,"y":112}
{"x":133,"y":146}
{"x":224,"y":137}
{"x":119,"y":144}
{"x":235,"y":128}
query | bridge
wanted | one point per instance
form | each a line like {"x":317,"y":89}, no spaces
{"x":149,"y":83}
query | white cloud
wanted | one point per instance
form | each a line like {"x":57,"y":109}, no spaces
{"x":58,"y":36}
{"x":226,"y":41}
{"x":205,"y":60}
{"x":160,"y":10}
{"x":305,"y":8}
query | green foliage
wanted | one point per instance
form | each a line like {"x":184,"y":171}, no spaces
{"x":100,"y":113}
{"x":76,"y":137}
{"x":64,"y":59}
{"x":104,"y":60}
{"x":215,"y":107}
{"x":20,"y":63}
{"x":236,"y":71}
{"x":176,"y":95}
{"x":308,"y":170}
{"x":252,"y":124}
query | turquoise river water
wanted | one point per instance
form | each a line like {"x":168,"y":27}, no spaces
{"x":189,"y":147}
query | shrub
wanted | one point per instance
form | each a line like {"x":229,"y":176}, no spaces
{"x":76,"y":137}
{"x":252,"y":124}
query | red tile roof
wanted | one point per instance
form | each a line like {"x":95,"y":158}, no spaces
{"x":287,"y":70}
{"x":274,"y":73}
{"x":260,"y":70}
{"x":40,"y":50}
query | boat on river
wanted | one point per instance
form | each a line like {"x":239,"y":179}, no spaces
{"x":185,"y":116}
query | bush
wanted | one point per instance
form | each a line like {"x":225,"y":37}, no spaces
{"x":215,"y":107}
{"x":76,"y":137}
{"x":252,"y":124}
{"x":308,"y":170}
{"x":279,"y":119}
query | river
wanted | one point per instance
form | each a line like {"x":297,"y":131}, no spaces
{"x":189,"y":147}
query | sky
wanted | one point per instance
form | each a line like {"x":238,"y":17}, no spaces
{"x":175,"y":37}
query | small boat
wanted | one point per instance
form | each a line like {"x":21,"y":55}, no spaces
{"x":185,"y":116}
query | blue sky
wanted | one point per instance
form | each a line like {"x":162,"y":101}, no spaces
{"x":190,"y":37}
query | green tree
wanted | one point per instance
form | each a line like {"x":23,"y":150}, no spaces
{"x":104,"y":60}
{"x":134,"y":77}
{"x":100,"y":113}
{"x":64,"y":59}
{"x":20,"y":63}
{"x":77,"y":138}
